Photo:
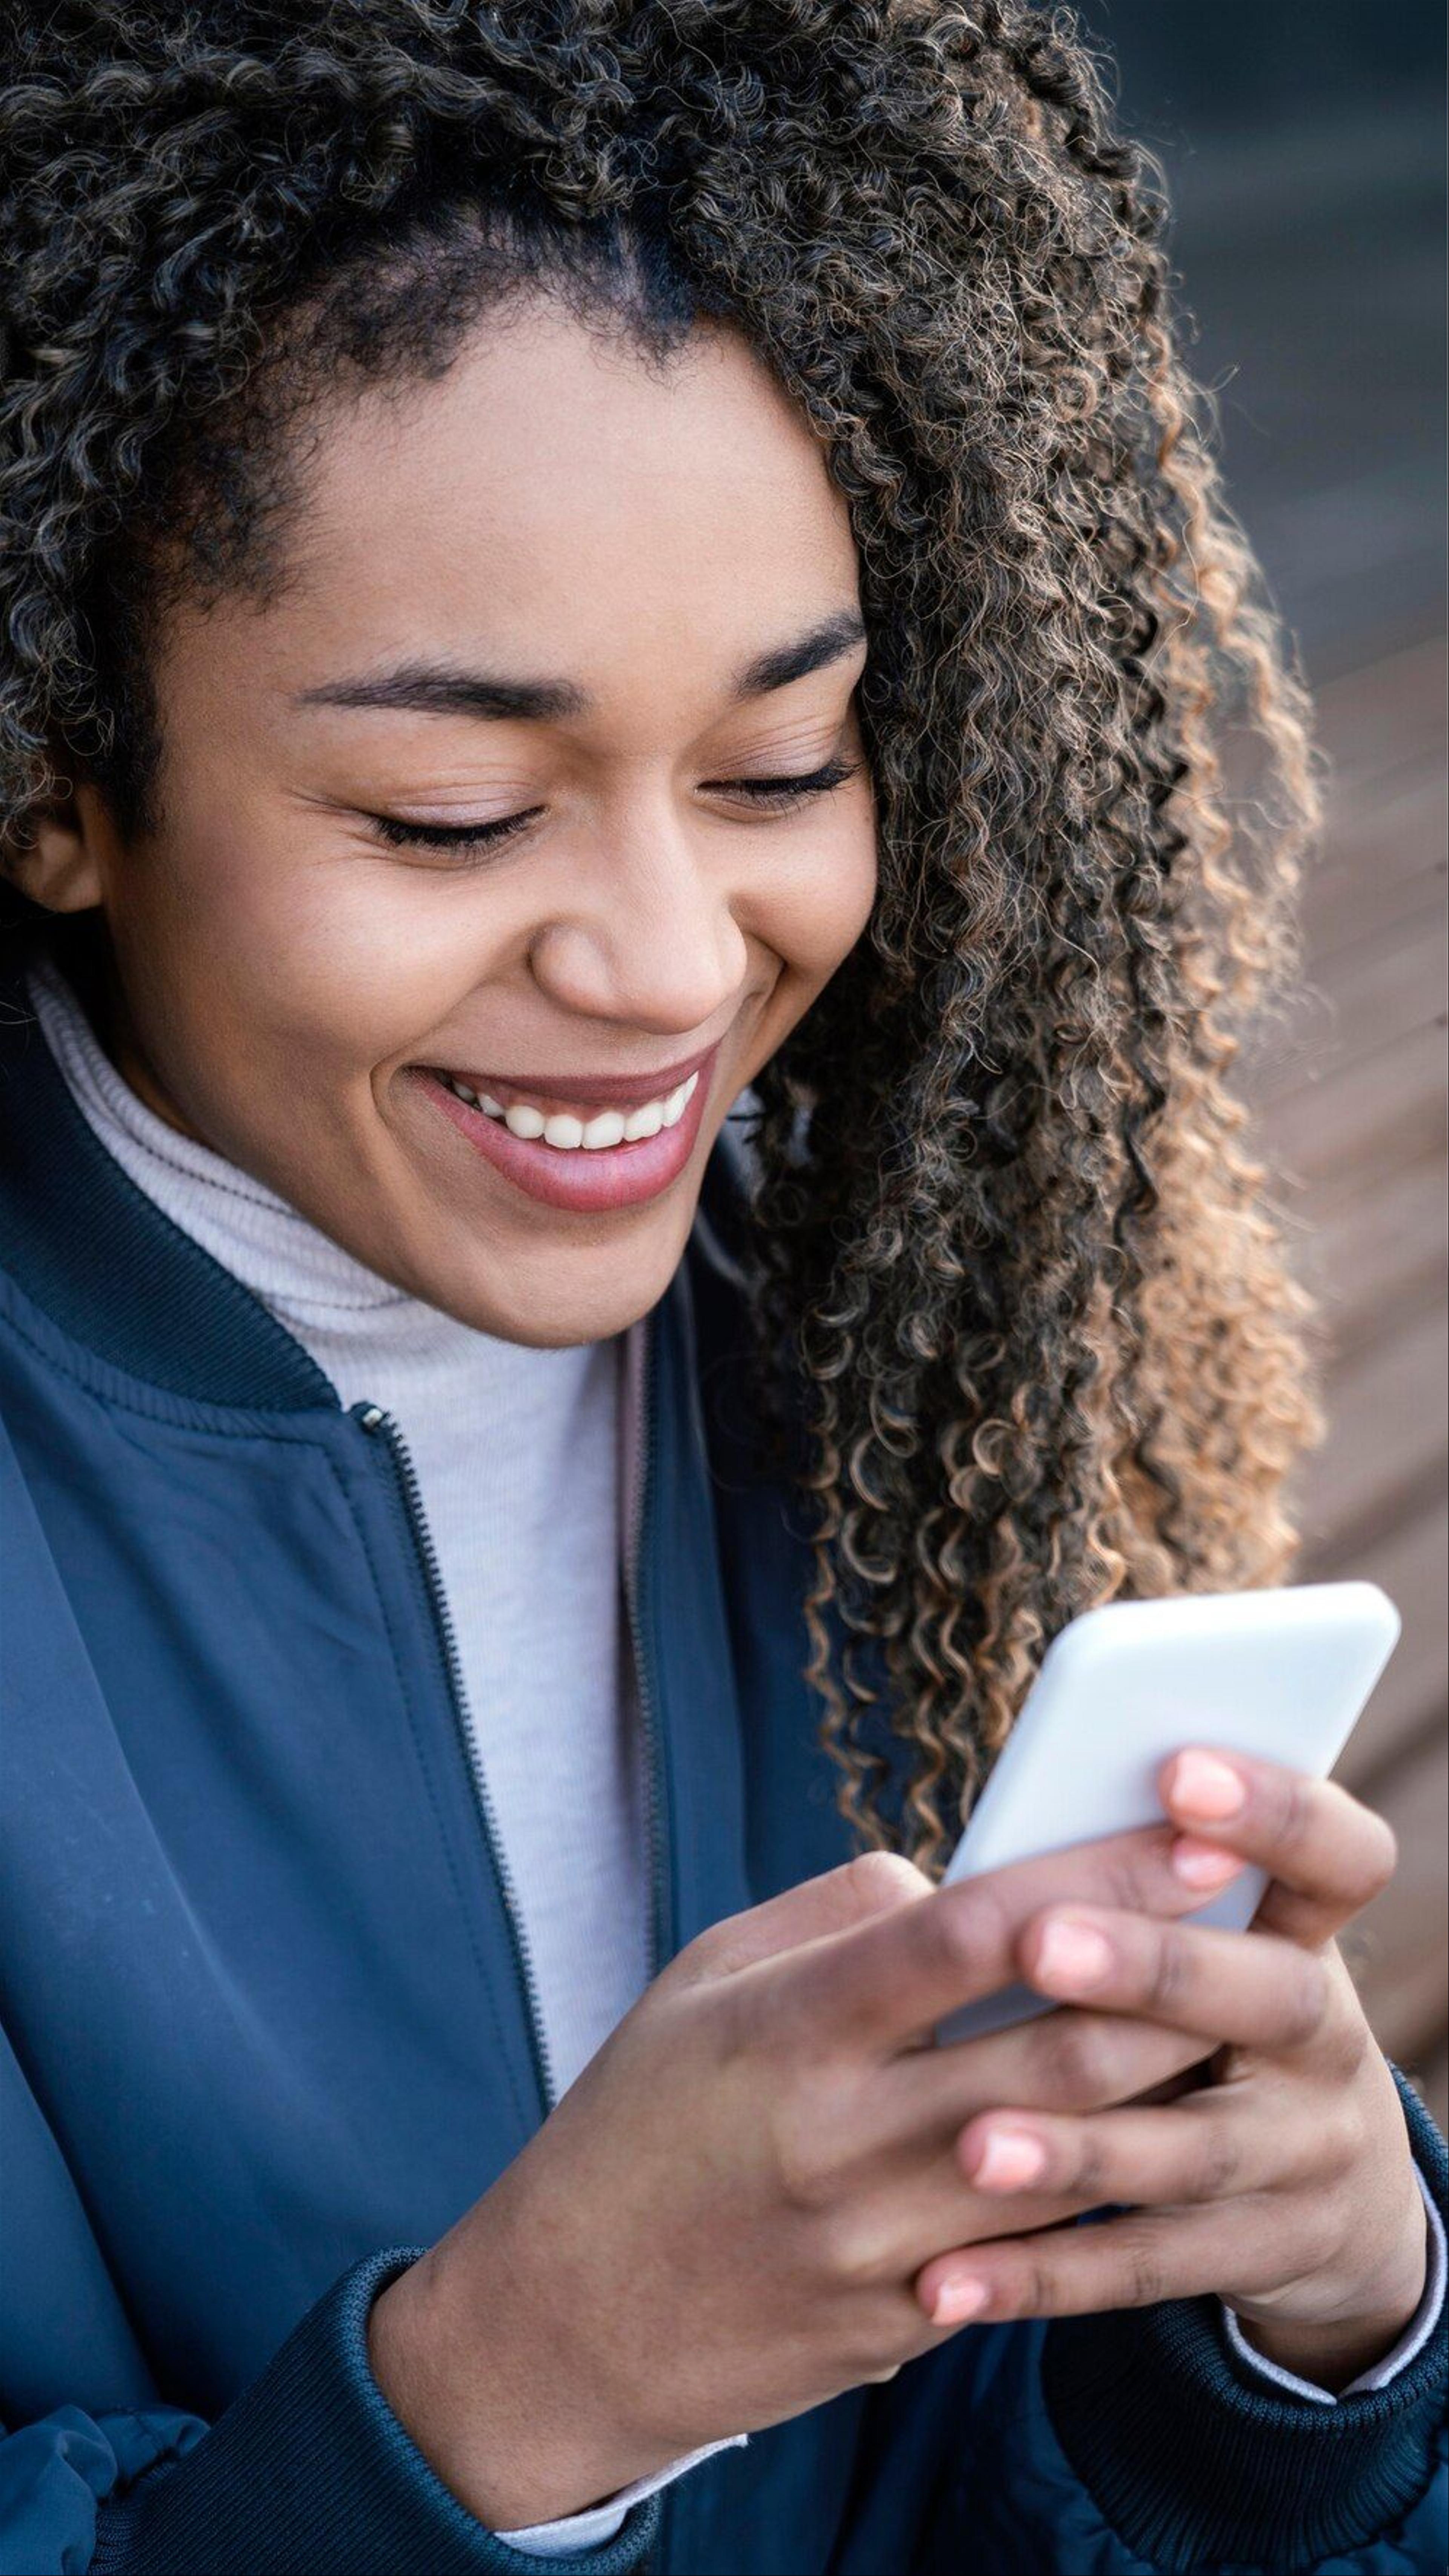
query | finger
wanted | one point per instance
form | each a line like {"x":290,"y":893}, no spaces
{"x":839,"y":1900}
{"x":1327,"y":1854}
{"x":882,"y":2235}
{"x":1061,"y":2061}
{"x":1202,"y":2149}
{"x":1247,"y":1990}
{"x":884,"y":1984}
{"x":1130,"y":2262}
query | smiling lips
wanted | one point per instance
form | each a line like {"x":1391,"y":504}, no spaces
{"x":569,"y":1129}
{"x":590,"y":1145}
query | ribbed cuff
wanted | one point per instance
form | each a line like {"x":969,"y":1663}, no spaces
{"x":1196,"y":2463}
{"x":309,"y":2469}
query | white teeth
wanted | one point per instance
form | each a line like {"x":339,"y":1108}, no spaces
{"x":606,"y":1129}
{"x":567,"y":1133}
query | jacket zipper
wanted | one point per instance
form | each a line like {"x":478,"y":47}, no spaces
{"x":373,"y":1419}
{"x":654,"y":1766}
{"x":656,"y":2559}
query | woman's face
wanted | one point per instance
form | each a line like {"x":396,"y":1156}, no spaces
{"x":535,"y":588}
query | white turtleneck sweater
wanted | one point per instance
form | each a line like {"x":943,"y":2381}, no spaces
{"x":499,"y":1433}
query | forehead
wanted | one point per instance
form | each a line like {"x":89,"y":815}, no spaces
{"x":561,"y":498}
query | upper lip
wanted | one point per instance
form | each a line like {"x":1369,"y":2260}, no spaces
{"x":601,"y":1090}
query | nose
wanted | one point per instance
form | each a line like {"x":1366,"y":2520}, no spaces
{"x":650,"y":940}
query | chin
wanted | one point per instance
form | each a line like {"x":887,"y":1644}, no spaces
{"x":617,"y":1296}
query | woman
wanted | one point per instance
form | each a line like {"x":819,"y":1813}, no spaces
{"x":618,"y":1196}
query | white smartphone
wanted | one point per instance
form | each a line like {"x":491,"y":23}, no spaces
{"x":1281,"y":1673}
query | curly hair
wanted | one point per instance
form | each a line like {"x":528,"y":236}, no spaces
{"x":1006,"y":1229}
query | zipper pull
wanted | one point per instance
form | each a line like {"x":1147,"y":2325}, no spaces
{"x":371,"y":1416}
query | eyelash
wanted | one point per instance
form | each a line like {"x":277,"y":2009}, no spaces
{"x":774,"y":795}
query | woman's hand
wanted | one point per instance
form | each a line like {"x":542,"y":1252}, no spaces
{"x":1286,"y":2186}
{"x":721,"y":2222}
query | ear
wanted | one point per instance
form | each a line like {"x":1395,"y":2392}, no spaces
{"x":60,"y":862}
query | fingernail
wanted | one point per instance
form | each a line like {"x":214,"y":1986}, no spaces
{"x":1071,"y":1955}
{"x":1204,"y":1864}
{"x":956,"y":2300}
{"x":1009,"y":2161}
{"x":1207,"y":1787}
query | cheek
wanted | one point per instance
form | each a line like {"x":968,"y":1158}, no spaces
{"x":328,"y":958}
{"x":812,"y":914}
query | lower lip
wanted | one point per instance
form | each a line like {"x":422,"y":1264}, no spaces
{"x":615,"y":1176}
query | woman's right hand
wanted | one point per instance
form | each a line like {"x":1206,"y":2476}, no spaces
{"x":719,"y":2224}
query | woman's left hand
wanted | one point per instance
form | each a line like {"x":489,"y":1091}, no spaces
{"x":1285,"y":2185}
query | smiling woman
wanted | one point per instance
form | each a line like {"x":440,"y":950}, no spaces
{"x":510,"y":777}
{"x":618,"y":1195}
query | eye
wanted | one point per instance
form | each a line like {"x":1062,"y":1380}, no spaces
{"x":780,"y":793}
{"x":774,"y":795}
{"x":449,"y":836}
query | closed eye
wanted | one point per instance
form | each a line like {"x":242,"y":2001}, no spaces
{"x":774,"y":795}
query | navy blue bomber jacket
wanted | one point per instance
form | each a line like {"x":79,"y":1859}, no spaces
{"x":263,"y":2035}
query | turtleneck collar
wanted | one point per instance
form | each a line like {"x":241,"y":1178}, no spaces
{"x":259,"y":1237}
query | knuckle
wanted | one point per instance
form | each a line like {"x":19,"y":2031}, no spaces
{"x":1132,"y":1881}
{"x":700,"y":1957}
{"x":881,"y":1880}
{"x":1338,"y":2138}
{"x":1028,"y":2289}
{"x":1293,"y":1807}
{"x":1085,"y":2176}
{"x":805,"y":2172}
{"x":1143,"y":2283}
{"x":1376,"y":1856}
{"x":1219,"y":2163}
{"x":1166,"y":1969}
{"x":854,"y":2247}
{"x":964,"y":1934}
{"x":1074,"y":2056}
{"x":1304,"y":2004}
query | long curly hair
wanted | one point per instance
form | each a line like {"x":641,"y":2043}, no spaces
{"x":1009,"y":1242}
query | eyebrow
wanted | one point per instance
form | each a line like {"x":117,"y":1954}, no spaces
{"x":441,"y":688}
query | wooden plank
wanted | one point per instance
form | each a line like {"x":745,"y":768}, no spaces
{"x":1397,"y":1946}
{"x":1336,"y":1132}
{"x":1381,"y":855}
{"x":1393,"y":980}
{"x":1387,"y":1411}
{"x":1383,"y":1247}
{"x":1410,"y":1564}
{"x":1373,"y":720}
{"x":1350,"y":1116}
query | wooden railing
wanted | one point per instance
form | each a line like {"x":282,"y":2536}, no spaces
{"x":1351,"y":1103}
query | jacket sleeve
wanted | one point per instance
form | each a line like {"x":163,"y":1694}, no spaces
{"x":1137,"y":2444}
{"x":307,"y":2469}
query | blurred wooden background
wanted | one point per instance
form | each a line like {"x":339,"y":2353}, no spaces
{"x":1351,"y":1100}
{"x":1309,"y":241}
